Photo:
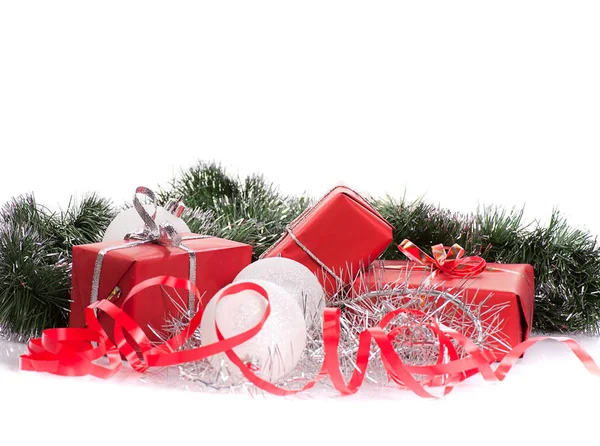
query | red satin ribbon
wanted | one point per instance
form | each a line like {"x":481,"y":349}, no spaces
{"x":74,"y":351}
{"x":450,"y":260}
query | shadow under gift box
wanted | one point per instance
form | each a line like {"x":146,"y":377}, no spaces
{"x":505,"y":291}
{"x":343,"y":231}
{"x":218,"y":261}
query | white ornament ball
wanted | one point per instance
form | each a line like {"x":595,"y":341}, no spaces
{"x":129,"y":221}
{"x":275,"y":349}
{"x":296,"y":279}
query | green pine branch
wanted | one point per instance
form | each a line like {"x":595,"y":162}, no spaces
{"x":249,"y":210}
{"x":35,"y":260}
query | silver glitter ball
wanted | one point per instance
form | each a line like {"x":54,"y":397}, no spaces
{"x":296,"y":279}
{"x":279,"y":345}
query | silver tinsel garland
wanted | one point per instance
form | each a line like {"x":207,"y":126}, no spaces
{"x":416,"y":344}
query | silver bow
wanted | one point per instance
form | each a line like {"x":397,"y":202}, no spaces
{"x":164,"y":233}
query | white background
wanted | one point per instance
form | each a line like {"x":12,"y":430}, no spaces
{"x":467,"y":102}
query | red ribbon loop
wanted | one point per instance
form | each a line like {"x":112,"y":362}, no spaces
{"x":449,"y":260}
{"x":74,"y":351}
{"x":71,"y":351}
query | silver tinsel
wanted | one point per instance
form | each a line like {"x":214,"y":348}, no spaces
{"x":417,"y":345}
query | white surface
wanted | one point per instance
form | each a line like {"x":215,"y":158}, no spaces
{"x":468,"y":102}
{"x":548,"y":398}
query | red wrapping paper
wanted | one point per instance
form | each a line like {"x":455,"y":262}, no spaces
{"x":508,"y":286}
{"x":218,"y":261}
{"x":343,"y":231}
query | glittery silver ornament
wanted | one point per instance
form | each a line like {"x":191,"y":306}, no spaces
{"x":279,"y":345}
{"x":296,"y":279}
{"x":129,"y":221}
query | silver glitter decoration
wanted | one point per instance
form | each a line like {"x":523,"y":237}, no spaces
{"x":296,"y":279}
{"x":275,"y":350}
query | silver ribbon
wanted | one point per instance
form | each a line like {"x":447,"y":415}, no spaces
{"x":303,"y":247}
{"x":163,"y":234}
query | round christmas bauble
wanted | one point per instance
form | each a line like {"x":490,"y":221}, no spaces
{"x":129,"y":221}
{"x":276,"y":348}
{"x":296,"y":279}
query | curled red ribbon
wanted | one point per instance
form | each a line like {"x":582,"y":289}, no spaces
{"x":450,"y":260}
{"x":74,"y":351}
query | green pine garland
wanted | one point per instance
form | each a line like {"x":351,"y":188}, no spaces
{"x":35,"y":260}
{"x":566,"y":260}
{"x":249,"y":210}
{"x":35,"y":244}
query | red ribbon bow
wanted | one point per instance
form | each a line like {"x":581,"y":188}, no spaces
{"x":449,"y":260}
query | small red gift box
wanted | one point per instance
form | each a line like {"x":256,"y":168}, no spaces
{"x":339,"y":236}
{"x":506,"y":291}
{"x":123,"y":265}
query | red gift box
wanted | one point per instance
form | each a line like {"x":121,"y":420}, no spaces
{"x":506,"y":291}
{"x":339,"y":236}
{"x":217,"y":261}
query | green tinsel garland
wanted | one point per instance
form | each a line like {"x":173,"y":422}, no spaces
{"x":35,"y":245}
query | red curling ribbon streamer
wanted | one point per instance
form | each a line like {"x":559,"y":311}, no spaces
{"x":450,"y":260}
{"x":75,"y":351}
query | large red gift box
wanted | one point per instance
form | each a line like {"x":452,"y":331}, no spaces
{"x":217,"y":261}
{"x":503,"y":290}
{"x":339,"y":236}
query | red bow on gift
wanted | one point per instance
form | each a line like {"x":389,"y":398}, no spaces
{"x":449,"y":260}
